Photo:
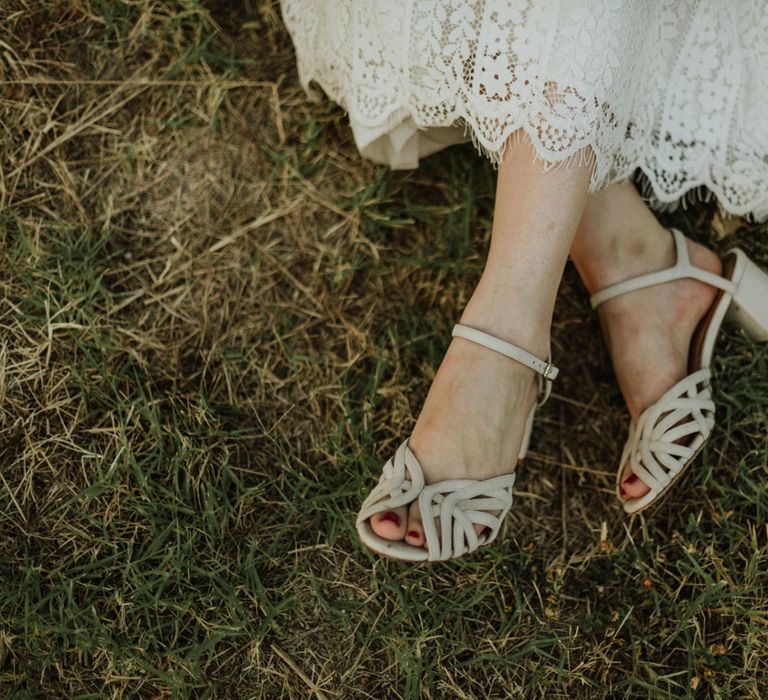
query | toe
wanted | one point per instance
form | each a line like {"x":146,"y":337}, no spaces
{"x":631,"y":486}
{"x":414,"y":530}
{"x":390,"y":524}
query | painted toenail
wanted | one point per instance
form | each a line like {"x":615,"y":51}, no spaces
{"x":413,"y":534}
{"x":391,"y":517}
{"x":622,"y":492}
{"x":631,"y":479}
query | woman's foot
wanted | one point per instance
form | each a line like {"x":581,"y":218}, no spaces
{"x":648,"y":332}
{"x":473,"y":421}
{"x":474,"y":418}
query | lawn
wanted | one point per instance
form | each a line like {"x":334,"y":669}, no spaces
{"x":217,"y":322}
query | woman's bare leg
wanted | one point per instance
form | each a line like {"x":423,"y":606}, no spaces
{"x":472,"y":423}
{"x":648,"y":331}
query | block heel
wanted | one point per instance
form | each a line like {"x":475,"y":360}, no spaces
{"x":749,"y":306}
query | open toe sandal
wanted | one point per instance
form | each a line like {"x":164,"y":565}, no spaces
{"x":669,"y":434}
{"x":449,"y":509}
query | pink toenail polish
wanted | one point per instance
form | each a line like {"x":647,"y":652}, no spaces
{"x":622,"y":492}
{"x":413,"y":534}
{"x":631,"y":479}
{"x":391,"y":517}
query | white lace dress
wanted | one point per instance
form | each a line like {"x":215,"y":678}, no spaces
{"x":676,"y":88}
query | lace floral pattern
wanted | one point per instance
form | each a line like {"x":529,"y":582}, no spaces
{"x":676,"y":88}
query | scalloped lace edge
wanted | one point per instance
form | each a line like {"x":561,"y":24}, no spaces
{"x":605,"y":172}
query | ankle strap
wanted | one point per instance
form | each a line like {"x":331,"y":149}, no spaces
{"x":680,"y":270}
{"x":545,"y":368}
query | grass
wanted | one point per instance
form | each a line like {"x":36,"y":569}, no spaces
{"x":217,"y":321}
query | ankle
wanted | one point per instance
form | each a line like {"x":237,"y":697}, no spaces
{"x":511,"y":313}
{"x":621,"y":254}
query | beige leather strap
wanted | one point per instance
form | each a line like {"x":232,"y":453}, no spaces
{"x":668,"y":435}
{"x":680,"y":270}
{"x":544,"y":368}
{"x":449,"y":509}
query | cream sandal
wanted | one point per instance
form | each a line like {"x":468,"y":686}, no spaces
{"x":669,"y":434}
{"x":458,"y":503}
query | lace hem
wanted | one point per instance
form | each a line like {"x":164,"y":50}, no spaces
{"x":676,"y":90}
{"x":606,"y":170}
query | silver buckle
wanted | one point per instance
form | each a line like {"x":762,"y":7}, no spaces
{"x":547,"y":370}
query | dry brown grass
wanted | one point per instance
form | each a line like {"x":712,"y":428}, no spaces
{"x":217,"y":320}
